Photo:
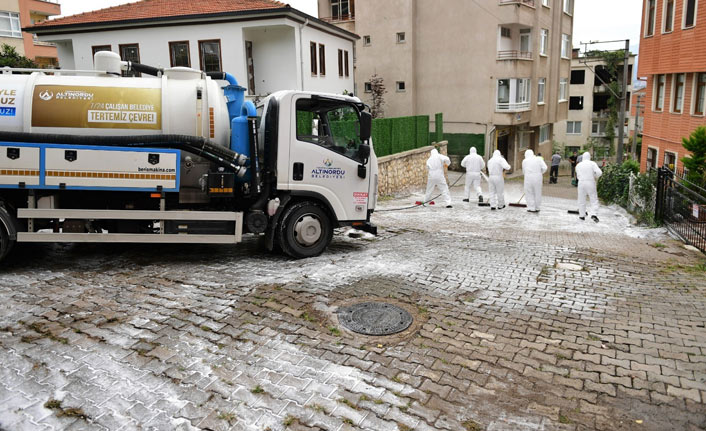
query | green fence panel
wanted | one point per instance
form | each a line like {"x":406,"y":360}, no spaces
{"x":439,"y":127}
{"x":422,"y":131}
{"x":461,"y":143}
{"x":382,"y":136}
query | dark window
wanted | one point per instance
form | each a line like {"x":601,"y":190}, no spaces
{"x":651,"y":12}
{"x":700,"y":93}
{"x":330,"y":124}
{"x":600,"y":102}
{"x":401,"y":86}
{"x":322,"y":60}
{"x":345,"y":63}
{"x":651,"y":158}
{"x":342,"y":9}
{"x":340,"y":62}
{"x":368,"y":87}
{"x":99,"y":48}
{"x":179,"y":54}
{"x":210,"y":55}
{"x":576,"y":103}
{"x":670,"y":161}
{"x":627,"y":101}
{"x":130,"y":53}
{"x":689,"y":13}
{"x":578,"y":77}
{"x":312,"y":58}
{"x":669,"y":16}
{"x":602,"y":76}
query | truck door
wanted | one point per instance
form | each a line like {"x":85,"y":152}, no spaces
{"x":324,"y":155}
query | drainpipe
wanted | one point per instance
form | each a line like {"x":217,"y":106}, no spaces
{"x":301,"y":52}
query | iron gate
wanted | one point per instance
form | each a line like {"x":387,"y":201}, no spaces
{"x":681,"y":206}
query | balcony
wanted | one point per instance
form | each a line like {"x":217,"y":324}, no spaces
{"x":514,"y":55}
{"x":513,"y":107}
{"x":340,"y":18}
{"x":529,"y":3}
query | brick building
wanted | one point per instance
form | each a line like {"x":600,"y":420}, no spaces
{"x":673,"y":59}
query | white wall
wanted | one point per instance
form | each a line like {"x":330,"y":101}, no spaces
{"x":277,"y":64}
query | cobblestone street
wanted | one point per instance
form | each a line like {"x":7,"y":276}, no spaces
{"x":521,"y":322}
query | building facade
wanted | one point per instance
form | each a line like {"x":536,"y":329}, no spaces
{"x":15,"y":15}
{"x":266,"y":45}
{"x":500,"y":69}
{"x":587,"y":123}
{"x":673,"y":61}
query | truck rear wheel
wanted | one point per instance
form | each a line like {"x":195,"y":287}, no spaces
{"x":7,"y":232}
{"x":306,"y":230}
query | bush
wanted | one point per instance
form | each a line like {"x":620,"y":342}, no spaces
{"x":614,"y":185}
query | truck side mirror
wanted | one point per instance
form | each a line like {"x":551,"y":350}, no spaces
{"x":366,"y":125}
{"x":364,"y":151}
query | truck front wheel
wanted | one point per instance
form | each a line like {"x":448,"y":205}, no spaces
{"x":7,"y":232}
{"x":306,"y":230}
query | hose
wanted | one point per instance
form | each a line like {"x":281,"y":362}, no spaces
{"x":197,"y":145}
{"x":423,"y":203}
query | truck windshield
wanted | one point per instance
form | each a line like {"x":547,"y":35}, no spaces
{"x":331,"y":124}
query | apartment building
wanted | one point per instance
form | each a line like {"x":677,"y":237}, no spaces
{"x":587,"y":121}
{"x":18,"y":14}
{"x":673,"y":61}
{"x":267,"y":45}
{"x":497,"y":67}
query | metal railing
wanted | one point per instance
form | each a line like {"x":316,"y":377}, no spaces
{"x":513,"y":107}
{"x":514,"y":55}
{"x":348,"y":17}
{"x":681,"y":206}
{"x":525,"y":2}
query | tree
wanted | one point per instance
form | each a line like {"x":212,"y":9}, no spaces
{"x":696,"y":163}
{"x":377,"y":87}
{"x":613,"y":65}
{"x":10,"y":57}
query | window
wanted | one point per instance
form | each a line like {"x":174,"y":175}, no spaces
{"x":401,"y":37}
{"x":700,"y":96}
{"x":340,"y":62}
{"x":660,"y":81}
{"x":563,"y":84}
{"x":670,"y":161}
{"x":333,"y":125}
{"x":513,"y":94}
{"x":345,"y":63}
{"x":576,"y":103}
{"x":689,"y":13}
{"x":651,"y":11}
{"x":544,"y":42}
{"x":578,"y":77}
{"x":322,"y":60}
{"x":678,"y":93}
{"x":400,"y":86}
{"x":573,"y":127}
{"x":99,"y":48}
{"x":130,"y":53}
{"x":668,"y":16}
{"x":312,"y":58}
{"x":651,"y":158}
{"x":568,"y":6}
{"x":366,"y":40}
{"x":598,"y":127}
{"x":505,"y":32}
{"x":210,"y":55}
{"x":10,"y":24}
{"x":544,"y":133}
{"x":368,"y":87}
{"x":540,"y":90}
{"x":565,"y":46}
{"x":179,"y":54}
{"x":525,"y":39}
{"x":342,"y":9}
{"x":545,"y":3}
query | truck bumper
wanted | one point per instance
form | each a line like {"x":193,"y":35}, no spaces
{"x":368,"y":227}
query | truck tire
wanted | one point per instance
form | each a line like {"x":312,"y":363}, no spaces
{"x":305,"y":231}
{"x":8,"y":232}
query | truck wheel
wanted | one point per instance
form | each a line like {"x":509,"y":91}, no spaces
{"x":6,"y":224}
{"x":305,"y":231}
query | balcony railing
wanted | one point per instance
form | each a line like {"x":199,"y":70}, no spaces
{"x":524,"y":2}
{"x":512,"y":107}
{"x":514,"y":55}
{"x":349,"y":17}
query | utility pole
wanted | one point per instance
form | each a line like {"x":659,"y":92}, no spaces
{"x":638,"y":106}
{"x":623,"y":100}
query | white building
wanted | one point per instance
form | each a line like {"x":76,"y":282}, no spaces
{"x":266,"y":45}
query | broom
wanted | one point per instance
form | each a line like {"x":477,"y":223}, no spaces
{"x":518,"y":204}
{"x":484,"y":204}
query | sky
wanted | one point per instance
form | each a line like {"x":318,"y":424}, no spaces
{"x":594,"y":19}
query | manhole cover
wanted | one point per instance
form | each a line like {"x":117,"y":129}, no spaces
{"x":374,"y":318}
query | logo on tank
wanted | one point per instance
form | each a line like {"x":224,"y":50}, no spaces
{"x":328,"y":171}
{"x":46,"y":95}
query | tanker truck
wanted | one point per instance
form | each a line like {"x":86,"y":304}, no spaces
{"x":177,"y":155}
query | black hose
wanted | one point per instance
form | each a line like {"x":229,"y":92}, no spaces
{"x":143,"y":68}
{"x":197,"y":145}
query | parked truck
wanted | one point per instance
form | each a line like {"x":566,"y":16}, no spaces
{"x":178,"y":156}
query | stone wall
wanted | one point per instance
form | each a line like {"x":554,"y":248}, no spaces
{"x":405,"y":172}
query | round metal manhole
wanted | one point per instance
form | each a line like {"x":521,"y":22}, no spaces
{"x":374,"y":318}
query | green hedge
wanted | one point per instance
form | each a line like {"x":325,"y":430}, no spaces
{"x":396,"y":135}
{"x":460,"y":143}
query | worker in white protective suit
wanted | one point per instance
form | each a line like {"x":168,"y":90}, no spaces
{"x":533,"y":168}
{"x":496,"y":183}
{"x":588,"y":172}
{"x":435,"y":165}
{"x":473,"y":164}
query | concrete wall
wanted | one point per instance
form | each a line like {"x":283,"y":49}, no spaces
{"x":405,"y":172}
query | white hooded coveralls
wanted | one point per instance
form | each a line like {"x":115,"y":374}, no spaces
{"x":588,"y":172}
{"x":435,"y":165}
{"x":534,"y":168}
{"x":473,"y":164}
{"x":496,"y":183}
